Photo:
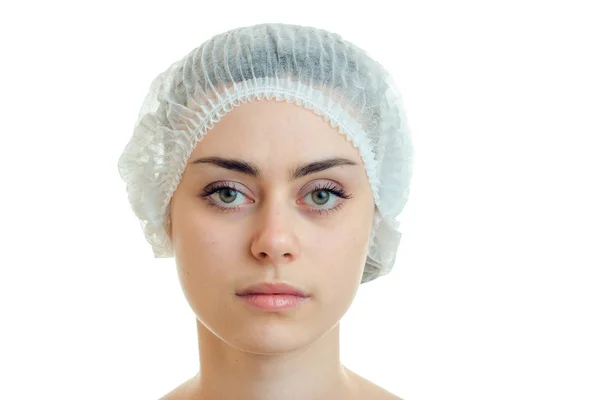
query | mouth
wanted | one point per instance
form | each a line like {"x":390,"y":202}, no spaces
{"x":273,"y":288}
{"x":273,"y":296}
{"x":273,"y":301}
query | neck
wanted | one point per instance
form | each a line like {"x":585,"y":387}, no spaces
{"x":312,"y":372}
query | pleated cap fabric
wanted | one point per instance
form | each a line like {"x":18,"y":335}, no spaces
{"x":310,"y":67}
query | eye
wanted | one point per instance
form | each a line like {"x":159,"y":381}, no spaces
{"x":324,"y":196}
{"x":227,"y":194}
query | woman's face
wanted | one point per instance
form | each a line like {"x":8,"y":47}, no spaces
{"x":271,"y":227}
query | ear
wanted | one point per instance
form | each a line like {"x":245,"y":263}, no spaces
{"x":169,"y":228}
{"x":168,"y":223}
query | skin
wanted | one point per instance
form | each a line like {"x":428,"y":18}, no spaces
{"x":276,"y":234}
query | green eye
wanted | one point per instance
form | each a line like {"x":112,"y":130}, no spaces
{"x":320,"y":197}
{"x":228,"y":195}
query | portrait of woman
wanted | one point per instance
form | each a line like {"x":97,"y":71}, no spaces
{"x":272,"y":163}
{"x":210,"y":201}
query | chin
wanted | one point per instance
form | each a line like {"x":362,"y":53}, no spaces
{"x":271,"y":338}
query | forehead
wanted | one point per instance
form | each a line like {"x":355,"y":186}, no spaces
{"x":268,"y":131}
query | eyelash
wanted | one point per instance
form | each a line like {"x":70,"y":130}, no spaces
{"x":330,"y":188}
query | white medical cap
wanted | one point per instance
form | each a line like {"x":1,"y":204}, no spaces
{"x":313,"y":68}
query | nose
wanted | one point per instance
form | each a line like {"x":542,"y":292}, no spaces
{"x":275,"y":240}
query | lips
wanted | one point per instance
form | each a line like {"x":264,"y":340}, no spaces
{"x":273,"y":302}
{"x":273,"y":288}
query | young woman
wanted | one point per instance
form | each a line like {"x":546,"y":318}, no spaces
{"x":272,"y":162}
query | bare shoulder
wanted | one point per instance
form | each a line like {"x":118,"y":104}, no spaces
{"x":181,"y":392}
{"x":379,"y":393}
{"x":374,"y":392}
{"x":365,"y":389}
{"x":368,"y":390}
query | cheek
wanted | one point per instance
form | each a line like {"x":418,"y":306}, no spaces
{"x":204,"y":249}
{"x":339,"y":262}
{"x":342,"y":251}
{"x":205,"y":266}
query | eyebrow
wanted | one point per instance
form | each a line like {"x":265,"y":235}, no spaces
{"x":252,"y":170}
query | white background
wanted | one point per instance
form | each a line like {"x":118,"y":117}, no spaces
{"x":495,"y":291}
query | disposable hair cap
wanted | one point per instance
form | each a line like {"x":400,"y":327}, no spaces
{"x":310,"y":67}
